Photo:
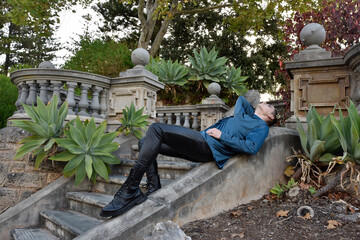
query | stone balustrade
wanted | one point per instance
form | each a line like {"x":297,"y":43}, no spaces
{"x":47,"y":82}
{"x":181,"y":115}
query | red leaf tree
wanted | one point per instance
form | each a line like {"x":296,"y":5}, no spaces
{"x":340,"y":19}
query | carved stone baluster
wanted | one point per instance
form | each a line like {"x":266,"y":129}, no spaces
{"x":84,"y":103}
{"x":56,"y":85}
{"x":161,"y":117}
{"x":24,"y":92}
{"x":95,"y":104}
{"x":43,"y":90}
{"x":32,"y":93}
{"x":169,"y":118}
{"x":178,"y":119}
{"x":103,"y":103}
{"x":195,"y":124}
{"x":70,"y":98}
{"x":186,"y":122}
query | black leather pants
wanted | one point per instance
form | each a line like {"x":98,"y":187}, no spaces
{"x":174,"y":141}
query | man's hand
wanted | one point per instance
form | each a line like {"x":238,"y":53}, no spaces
{"x":214,"y":132}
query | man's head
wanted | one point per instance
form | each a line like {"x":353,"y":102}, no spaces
{"x":266,"y":112}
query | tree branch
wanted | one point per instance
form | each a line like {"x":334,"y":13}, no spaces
{"x":199,"y":10}
{"x":163,"y":29}
{"x":141,"y":12}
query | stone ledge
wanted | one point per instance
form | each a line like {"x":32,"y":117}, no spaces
{"x":206,"y":190}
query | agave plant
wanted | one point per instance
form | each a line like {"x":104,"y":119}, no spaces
{"x":153,"y":65}
{"x":348,"y":131}
{"x":320,"y":143}
{"x":206,"y":66}
{"x":133,"y":121}
{"x":88,"y":150}
{"x":172,"y":73}
{"x":234,"y":81}
{"x":46,"y":125}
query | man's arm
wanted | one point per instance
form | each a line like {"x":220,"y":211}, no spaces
{"x":243,"y":103}
{"x":251,"y":144}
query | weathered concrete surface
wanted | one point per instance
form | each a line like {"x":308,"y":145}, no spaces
{"x":27,"y":212}
{"x":206,"y":191}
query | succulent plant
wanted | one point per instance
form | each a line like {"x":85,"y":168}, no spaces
{"x":234,"y":82}
{"x":348,"y":132}
{"x":46,"y":125}
{"x":320,"y":143}
{"x":88,"y":150}
{"x":206,"y":66}
{"x":133,"y":121}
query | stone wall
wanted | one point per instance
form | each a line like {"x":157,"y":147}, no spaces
{"x":19,"y":178}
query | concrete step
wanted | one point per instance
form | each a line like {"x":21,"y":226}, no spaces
{"x":88,"y":203}
{"x":117,"y":180}
{"x":68,"y":224}
{"x":32,"y":234}
{"x":167,"y":169}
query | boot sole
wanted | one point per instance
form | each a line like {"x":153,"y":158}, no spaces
{"x":125,"y":209}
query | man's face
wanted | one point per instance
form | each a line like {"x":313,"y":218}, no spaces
{"x":266,"y":110}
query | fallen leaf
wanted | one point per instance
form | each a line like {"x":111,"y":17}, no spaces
{"x":240,"y":235}
{"x":307,"y":216}
{"x":237,"y":213}
{"x":250,"y":208}
{"x":332,"y":224}
{"x":282,"y":213}
{"x":289,"y":171}
{"x":351,"y":209}
{"x":304,"y":185}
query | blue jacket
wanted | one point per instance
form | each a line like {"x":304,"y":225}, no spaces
{"x":243,"y":133}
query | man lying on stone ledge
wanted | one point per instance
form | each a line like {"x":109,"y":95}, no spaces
{"x":245,"y":132}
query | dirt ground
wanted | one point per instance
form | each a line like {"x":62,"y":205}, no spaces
{"x":276,"y":218}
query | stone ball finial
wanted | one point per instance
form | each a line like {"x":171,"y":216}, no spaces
{"x":214,"y":88}
{"x":312,"y":34}
{"x":46,"y":64}
{"x":140,"y":57}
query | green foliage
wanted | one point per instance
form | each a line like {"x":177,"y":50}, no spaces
{"x":279,"y":190}
{"x":312,"y":190}
{"x":348,"y":131}
{"x":46,"y":125}
{"x":8,"y":97}
{"x":206,"y":66}
{"x":320,"y":143}
{"x":234,"y":82}
{"x":88,"y":150}
{"x":153,"y":65}
{"x":133,"y":121}
{"x":172,"y":73}
{"x":104,"y":57}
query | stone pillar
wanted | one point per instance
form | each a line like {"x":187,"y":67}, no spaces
{"x":136,"y":85}
{"x":43,"y":90}
{"x":70,"y":98}
{"x":32,"y":93}
{"x":56,"y":89}
{"x":95,"y":104}
{"x":318,"y":78}
{"x":212,"y":108}
{"x":84,"y":103}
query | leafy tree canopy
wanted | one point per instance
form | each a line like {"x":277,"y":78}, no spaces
{"x":104,"y":57}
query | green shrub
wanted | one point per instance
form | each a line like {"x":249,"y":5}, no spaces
{"x":46,"y":125}
{"x":133,"y":121}
{"x":88,"y":150}
{"x":8,"y":97}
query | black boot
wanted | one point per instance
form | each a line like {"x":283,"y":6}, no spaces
{"x":127,"y":196}
{"x":153,"y":179}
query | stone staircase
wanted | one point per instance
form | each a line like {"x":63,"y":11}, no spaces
{"x":83,"y":209}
